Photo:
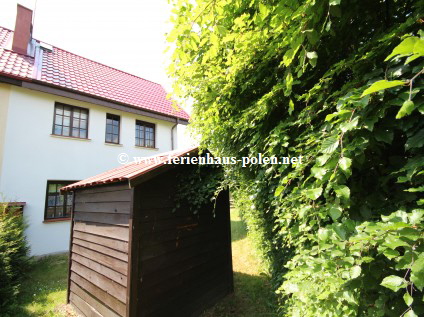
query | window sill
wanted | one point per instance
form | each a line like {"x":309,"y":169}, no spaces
{"x":113,"y":144}
{"x":56,"y":220}
{"x":146,"y":148}
{"x":68,"y":137}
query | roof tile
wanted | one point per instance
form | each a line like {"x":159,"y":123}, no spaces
{"x":129,"y":171}
{"x":68,"y":70}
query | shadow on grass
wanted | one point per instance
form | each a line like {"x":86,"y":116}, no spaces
{"x":252,"y":297}
{"x":238,"y":230}
{"x":43,"y":290}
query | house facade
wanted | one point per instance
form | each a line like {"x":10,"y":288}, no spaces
{"x":64,"y":118}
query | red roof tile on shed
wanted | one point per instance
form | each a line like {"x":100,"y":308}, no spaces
{"x":67,"y":70}
{"x":129,"y":171}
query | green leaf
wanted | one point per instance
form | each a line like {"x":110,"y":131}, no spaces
{"x":384,"y":135}
{"x":347,"y":126}
{"x":330,"y":145}
{"x":291,"y":106}
{"x":355,"y":271}
{"x":417,"y":272}
{"x":415,"y":190}
{"x":406,"y":109}
{"x":318,"y":172}
{"x":339,"y":230}
{"x":335,"y":212}
{"x":390,"y":253}
{"x":334,"y":2}
{"x":321,"y":160}
{"x":342,"y":191}
{"x":345,"y":163}
{"x":416,"y":216}
{"x":313,"y":193}
{"x":393,"y":282}
{"x":328,"y":26}
{"x":408,"y":299}
{"x":279,"y":190}
{"x":312,"y":55}
{"x":410,"y":313}
{"x":264,"y":11}
{"x":393,"y":242}
{"x":406,"y":47}
{"x":381,"y":85}
{"x":323,"y":234}
{"x":415,"y":141}
{"x":410,"y":233}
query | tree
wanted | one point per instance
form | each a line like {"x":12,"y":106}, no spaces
{"x":337,"y":82}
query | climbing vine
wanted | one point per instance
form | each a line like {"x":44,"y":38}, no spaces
{"x":198,"y":185}
{"x":340,"y":83}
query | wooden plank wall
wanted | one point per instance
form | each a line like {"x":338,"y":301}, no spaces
{"x":184,"y":259}
{"x":99,"y":251}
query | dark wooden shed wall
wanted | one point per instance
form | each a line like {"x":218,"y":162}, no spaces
{"x":182,"y":261}
{"x":99,"y":250}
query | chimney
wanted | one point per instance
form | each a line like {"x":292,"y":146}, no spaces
{"x":23,"y":30}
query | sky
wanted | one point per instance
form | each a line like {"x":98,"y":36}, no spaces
{"x":125,"y":34}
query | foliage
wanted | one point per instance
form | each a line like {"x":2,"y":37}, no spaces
{"x":13,"y":256}
{"x":198,"y":185}
{"x":337,"y":82}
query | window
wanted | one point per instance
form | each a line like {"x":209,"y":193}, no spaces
{"x":58,"y":205}
{"x":70,"y":121}
{"x":144,"y":134}
{"x":112,"y":128}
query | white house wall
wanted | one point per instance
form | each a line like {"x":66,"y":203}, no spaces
{"x":4,"y":105}
{"x":31,"y":156}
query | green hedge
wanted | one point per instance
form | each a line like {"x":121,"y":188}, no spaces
{"x":13,"y":256}
{"x":340,"y":83}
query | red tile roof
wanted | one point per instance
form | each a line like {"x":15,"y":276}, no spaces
{"x":130,"y":170}
{"x":15,"y":65}
{"x":67,"y":70}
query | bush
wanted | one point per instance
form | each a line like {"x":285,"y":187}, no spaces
{"x":13,"y":256}
{"x":340,"y":83}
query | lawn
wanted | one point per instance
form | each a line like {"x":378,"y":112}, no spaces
{"x":44,"y":292}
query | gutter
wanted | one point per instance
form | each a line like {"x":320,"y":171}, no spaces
{"x":172,"y":134}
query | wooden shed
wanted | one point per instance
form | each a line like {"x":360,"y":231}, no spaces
{"x":133,"y":253}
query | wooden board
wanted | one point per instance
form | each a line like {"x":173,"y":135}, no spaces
{"x":122,"y":207}
{"x":106,"y":260}
{"x":110,"y":243}
{"x":107,"y":218}
{"x":115,"y":196}
{"x":99,"y":268}
{"x":82,"y":307}
{"x":101,"y":229}
{"x":116,"y":290}
{"x":99,"y":293}
{"x":101,"y":249}
{"x":95,"y":304}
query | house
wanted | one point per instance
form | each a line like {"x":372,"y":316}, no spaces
{"x":63,"y":118}
{"x":138,"y":249}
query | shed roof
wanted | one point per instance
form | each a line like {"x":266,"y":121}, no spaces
{"x":65,"y":70}
{"x":130,"y":171}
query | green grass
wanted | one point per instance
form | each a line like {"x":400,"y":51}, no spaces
{"x":252,"y":295}
{"x":44,"y":289}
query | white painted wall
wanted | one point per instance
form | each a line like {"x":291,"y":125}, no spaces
{"x":185,"y":139}
{"x":31,"y":156}
{"x":4,"y":106}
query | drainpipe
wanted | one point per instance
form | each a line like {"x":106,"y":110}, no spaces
{"x":172,"y":134}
